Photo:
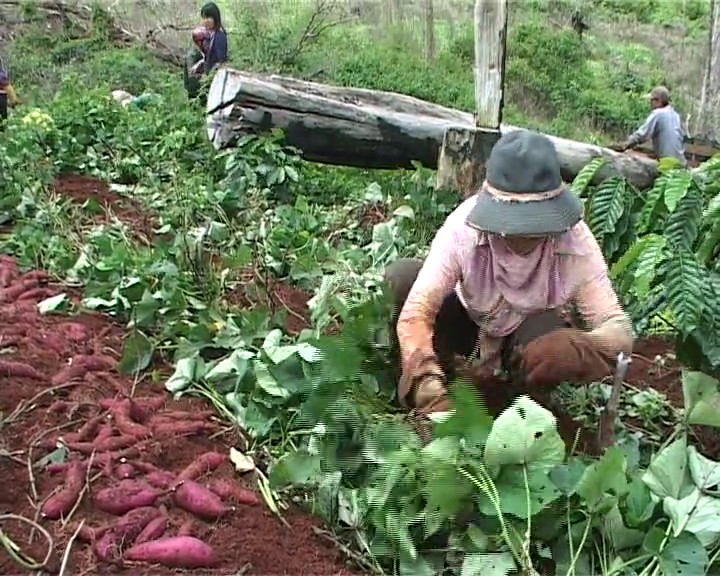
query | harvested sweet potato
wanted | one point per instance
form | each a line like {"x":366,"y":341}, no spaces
{"x":166,"y":428}
{"x":80,"y":365}
{"x":61,"y":503}
{"x":142,"y":408}
{"x":56,"y":467}
{"x":154,"y":530}
{"x":200,"y":501}
{"x":229,"y":490}
{"x":125,"y":471}
{"x":175,"y":552}
{"x":124,"y":423}
{"x":8,"y":369}
{"x":184,"y":416}
{"x":104,"y":445}
{"x":86,"y":431}
{"x":161,"y":479}
{"x":126,"y":496}
{"x":124,"y":533}
{"x":203,"y":464}
{"x":38,"y":293}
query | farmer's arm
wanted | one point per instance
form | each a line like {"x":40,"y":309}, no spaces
{"x":644,"y":132}
{"x":440,"y":273}
{"x":599,"y":306}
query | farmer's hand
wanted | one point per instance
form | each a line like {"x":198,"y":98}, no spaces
{"x":564,"y":354}
{"x":622,"y":147}
{"x":422,"y":384}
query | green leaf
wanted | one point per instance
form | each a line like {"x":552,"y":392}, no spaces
{"x":684,"y":289}
{"x":187,"y":371}
{"x":470,"y":418}
{"x":703,"y":471}
{"x":417,"y":566}
{"x":525,"y":433}
{"x":491,"y":564}
{"x":566,"y":476}
{"x":667,"y":475}
{"x":639,"y":505}
{"x":702,"y":399}
{"x":137,"y":353}
{"x":622,"y":538}
{"x":295,"y":468}
{"x":684,"y":556}
{"x":267,"y":383}
{"x":696,"y":513}
{"x":677,"y":184}
{"x":236,"y":364}
{"x":55,"y":303}
{"x":606,"y":476}
{"x":511,"y":488}
{"x":586,"y":174}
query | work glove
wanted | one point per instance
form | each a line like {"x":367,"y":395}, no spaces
{"x":422,"y":384}
{"x":566,"y":354}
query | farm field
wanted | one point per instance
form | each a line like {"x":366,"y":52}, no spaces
{"x":146,"y":332}
{"x":195,"y":345}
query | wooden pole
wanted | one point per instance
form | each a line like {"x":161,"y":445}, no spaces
{"x":464,"y":151}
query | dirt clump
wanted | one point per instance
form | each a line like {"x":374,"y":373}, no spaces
{"x":277,"y":297}
{"x":61,"y":387}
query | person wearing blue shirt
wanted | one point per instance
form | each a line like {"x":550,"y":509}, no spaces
{"x":212,"y":48}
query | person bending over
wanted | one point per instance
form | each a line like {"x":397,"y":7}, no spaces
{"x":502,"y":275}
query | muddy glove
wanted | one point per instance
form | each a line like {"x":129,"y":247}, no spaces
{"x":560,"y":355}
{"x":422,"y":384}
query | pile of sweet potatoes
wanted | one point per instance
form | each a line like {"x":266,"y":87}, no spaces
{"x":139,"y":495}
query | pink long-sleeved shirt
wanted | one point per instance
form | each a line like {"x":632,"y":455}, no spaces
{"x":458,"y":260}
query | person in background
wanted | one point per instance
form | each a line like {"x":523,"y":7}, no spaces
{"x":504,"y":273}
{"x":211,"y":49}
{"x":214,"y":44}
{"x":8,"y":96}
{"x":663,"y":126}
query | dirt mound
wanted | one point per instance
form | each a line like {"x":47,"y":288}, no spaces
{"x":85,"y":189}
{"x":276,"y":296}
{"x":59,"y":380}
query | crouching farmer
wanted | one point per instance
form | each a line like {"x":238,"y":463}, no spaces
{"x":501,"y":273}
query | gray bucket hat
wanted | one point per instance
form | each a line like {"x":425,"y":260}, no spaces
{"x":523,"y":193}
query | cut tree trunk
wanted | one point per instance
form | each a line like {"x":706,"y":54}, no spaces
{"x":368,"y":128}
{"x":465,"y":151}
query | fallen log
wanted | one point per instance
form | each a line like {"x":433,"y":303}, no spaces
{"x":368,"y":128}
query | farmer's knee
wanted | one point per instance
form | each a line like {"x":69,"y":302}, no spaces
{"x":400,"y":277}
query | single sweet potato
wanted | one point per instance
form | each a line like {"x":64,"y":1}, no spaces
{"x":200,"y":501}
{"x":105,"y":445}
{"x":9,"y":369}
{"x":142,"y":408}
{"x":203,"y":464}
{"x":175,"y":552}
{"x":154,"y":530}
{"x":125,"y":471}
{"x":126,"y":496}
{"x":169,"y":428}
{"x":61,"y":503}
{"x":229,"y":490}
{"x":124,"y":533}
{"x":161,"y":479}
{"x":124,"y":423}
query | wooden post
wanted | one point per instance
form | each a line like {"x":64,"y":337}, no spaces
{"x":461,"y":164}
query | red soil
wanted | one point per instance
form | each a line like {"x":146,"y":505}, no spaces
{"x":45,"y":344}
{"x":643,"y":373}
{"x":84,"y":189}
{"x":277,"y":297}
